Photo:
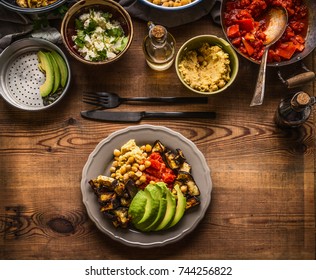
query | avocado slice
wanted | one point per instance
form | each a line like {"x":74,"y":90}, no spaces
{"x":158,"y":192}
{"x":170,"y":211}
{"x":137,"y":207}
{"x":151,"y":211}
{"x":62,"y":68}
{"x":56,"y":72}
{"x":180,"y":209}
{"x":46,"y":65}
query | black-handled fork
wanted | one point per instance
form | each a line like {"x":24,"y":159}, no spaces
{"x":112,"y":100}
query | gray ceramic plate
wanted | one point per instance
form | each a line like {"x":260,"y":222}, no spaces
{"x":101,"y":158}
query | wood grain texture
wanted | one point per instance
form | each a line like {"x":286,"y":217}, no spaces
{"x":263,"y":198}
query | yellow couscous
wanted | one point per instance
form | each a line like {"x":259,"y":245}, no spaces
{"x":206,"y":69}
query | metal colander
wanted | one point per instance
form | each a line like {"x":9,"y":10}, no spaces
{"x":21,"y":77}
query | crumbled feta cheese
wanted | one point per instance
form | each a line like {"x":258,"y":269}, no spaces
{"x":99,"y":38}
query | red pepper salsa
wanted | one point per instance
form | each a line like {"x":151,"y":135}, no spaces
{"x":158,"y":171}
{"x":244,"y":28}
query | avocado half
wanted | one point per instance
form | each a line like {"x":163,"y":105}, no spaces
{"x":55,"y":69}
{"x":155,"y":208}
{"x":62,"y":68}
{"x":47,"y":66}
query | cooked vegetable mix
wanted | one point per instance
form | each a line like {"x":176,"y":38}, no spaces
{"x":244,"y":28}
{"x":149,"y":187}
{"x":34,"y":3}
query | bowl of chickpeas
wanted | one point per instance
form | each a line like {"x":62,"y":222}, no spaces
{"x":171,"y":4}
{"x":171,"y":13}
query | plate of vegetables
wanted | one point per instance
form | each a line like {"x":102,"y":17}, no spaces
{"x":146,"y":186}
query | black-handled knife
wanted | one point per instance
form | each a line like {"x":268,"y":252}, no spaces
{"x":137,"y":116}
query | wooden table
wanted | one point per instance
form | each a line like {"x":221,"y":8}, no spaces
{"x":263,"y":198}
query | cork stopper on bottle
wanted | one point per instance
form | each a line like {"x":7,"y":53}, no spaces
{"x":157,"y":33}
{"x":301,"y":99}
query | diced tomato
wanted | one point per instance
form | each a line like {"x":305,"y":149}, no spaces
{"x":250,"y":37}
{"x":300,"y":47}
{"x":236,"y":41}
{"x":246,"y":24}
{"x":249,"y":48}
{"x":233,"y":31}
{"x":300,"y":39}
{"x":272,"y":56}
{"x":155,"y":164}
{"x":168,"y":178}
{"x":155,"y":155}
{"x":157,"y":171}
{"x":286,"y":50}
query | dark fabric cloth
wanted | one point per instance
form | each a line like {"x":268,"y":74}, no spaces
{"x":13,"y":25}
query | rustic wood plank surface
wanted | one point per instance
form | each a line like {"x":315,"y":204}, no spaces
{"x":263,"y":198}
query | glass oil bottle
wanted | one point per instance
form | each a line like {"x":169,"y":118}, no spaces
{"x":294,"y":109}
{"x":159,"y":47}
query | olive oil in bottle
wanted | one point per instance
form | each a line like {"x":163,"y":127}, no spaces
{"x":159,"y":47}
{"x":294,"y":109}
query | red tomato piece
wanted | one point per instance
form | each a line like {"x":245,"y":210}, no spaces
{"x":246,"y":24}
{"x":286,"y":50}
{"x":158,"y":172}
{"x":168,"y":178}
{"x":249,"y":48}
{"x":233,"y":31}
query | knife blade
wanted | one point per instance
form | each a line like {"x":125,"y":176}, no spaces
{"x":138,"y":116}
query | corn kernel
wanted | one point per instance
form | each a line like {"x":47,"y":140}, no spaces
{"x":117,"y":153}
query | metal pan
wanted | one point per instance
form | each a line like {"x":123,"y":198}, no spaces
{"x":20,"y":77}
{"x":310,"y":39}
{"x":13,"y":6}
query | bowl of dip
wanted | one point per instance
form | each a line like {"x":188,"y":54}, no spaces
{"x":206,"y":64}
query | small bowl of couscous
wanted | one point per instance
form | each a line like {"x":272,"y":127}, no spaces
{"x":206,"y":64}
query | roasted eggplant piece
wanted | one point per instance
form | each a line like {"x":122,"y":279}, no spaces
{"x":106,"y":196}
{"x":174,"y":161}
{"x":185,"y":167}
{"x":192,"y":201}
{"x":114,"y":198}
{"x":158,"y":147}
{"x":119,"y":187}
{"x":121,"y":217}
{"x":110,"y":205}
{"x":131,"y":188}
{"x":185,"y":178}
{"x":170,"y":158}
{"x":102,"y":184}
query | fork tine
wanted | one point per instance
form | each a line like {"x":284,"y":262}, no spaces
{"x":97,"y":93}
{"x":96,"y":98}
{"x":94,"y":103}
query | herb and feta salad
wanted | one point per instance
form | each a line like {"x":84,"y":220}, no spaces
{"x":98,"y":37}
